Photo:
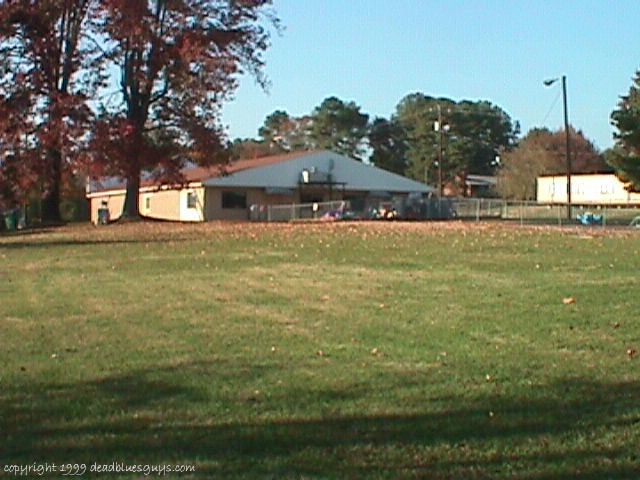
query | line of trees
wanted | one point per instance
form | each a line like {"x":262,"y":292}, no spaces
{"x":411,"y":142}
{"x":115,"y":87}
{"x":466,"y":137}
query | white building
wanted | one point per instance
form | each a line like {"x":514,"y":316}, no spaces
{"x":586,"y":189}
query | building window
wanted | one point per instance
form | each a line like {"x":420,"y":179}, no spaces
{"x":147,"y":203}
{"x":192,"y":200}
{"x":234,"y":200}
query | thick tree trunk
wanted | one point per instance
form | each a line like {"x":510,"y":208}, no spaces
{"x":51,"y":200}
{"x":131,"y":209}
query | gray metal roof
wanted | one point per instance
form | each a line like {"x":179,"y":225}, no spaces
{"x":352,"y":174}
{"x":481,"y":180}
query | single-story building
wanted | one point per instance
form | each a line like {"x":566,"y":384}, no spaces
{"x":586,"y":189}
{"x":479,"y":186}
{"x":229,"y":192}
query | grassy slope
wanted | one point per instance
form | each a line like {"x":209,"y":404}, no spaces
{"x":323,"y":351}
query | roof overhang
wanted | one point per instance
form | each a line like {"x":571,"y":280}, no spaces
{"x":147,"y":189}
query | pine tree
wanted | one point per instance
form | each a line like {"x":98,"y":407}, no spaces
{"x":625,"y":157}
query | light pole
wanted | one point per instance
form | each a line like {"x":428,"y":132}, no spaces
{"x":548,"y":83}
{"x":441,"y":128}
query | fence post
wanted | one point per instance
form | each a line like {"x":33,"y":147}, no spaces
{"x":477,"y":210}
{"x":521,"y":213}
{"x":558,"y":211}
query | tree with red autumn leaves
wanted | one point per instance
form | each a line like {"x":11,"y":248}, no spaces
{"x":43,"y":86}
{"x":178,"y":61}
{"x":63,"y":106}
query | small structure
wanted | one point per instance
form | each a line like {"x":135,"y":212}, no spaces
{"x":480,"y":186}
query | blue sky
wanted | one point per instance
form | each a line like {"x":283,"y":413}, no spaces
{"x":375,"y":52}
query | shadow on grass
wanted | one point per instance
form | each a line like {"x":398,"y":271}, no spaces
{"x":67,"y":242}
{"x":573,"y":429}
{"x":148,"y":230}
{"x":28,"y":239}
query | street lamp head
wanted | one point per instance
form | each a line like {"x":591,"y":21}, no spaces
{"x":549,"y":82}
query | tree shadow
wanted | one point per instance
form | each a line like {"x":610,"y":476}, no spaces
{"x":39,"y":240}
{"x":22,"y":244}
{"x":158,"y":416}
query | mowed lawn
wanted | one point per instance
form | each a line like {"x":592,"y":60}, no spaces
{"x":323,"y":351}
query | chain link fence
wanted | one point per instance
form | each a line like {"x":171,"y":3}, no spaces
{"x":299,"y":211}
{"x":468,"y":209}
{"x":477,"y":209}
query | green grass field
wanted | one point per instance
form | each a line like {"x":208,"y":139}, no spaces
{"x":322,"y":351}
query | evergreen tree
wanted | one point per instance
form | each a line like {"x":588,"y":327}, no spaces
{"x":625,"y":157}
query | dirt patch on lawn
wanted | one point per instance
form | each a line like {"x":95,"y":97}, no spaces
{"x":174,"y":231}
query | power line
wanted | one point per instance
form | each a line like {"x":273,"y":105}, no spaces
{"x":551,"y":109}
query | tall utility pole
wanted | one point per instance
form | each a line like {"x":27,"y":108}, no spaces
{"x":439,"y":127}
{"x":568,"y":145}
{"x":548,"y":83}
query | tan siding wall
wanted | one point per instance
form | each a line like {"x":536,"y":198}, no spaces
{"x":163,"y":204}
{"x":115,"y":202}
{"x":172,"y":204}
{"x":213,"y":203}
{"x":257,"y":196}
